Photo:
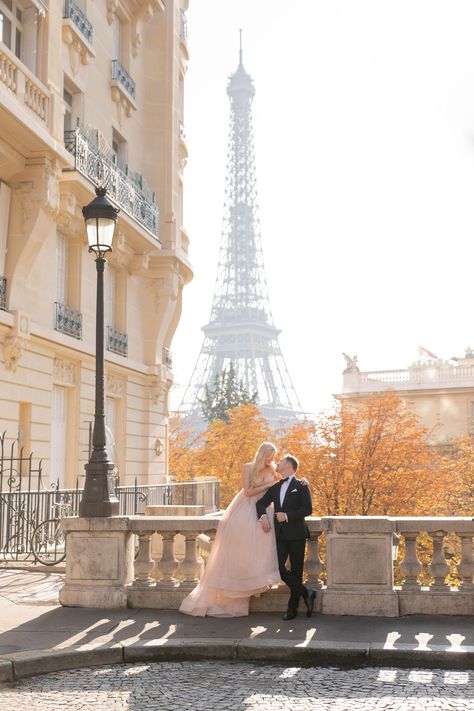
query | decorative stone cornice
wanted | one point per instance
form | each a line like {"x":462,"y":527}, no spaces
{"x":40,"y":192}
{"x":69,"y":214}
{"x":80,"y":51}
{"x":138,"y":13}
{"x":139,"y":264}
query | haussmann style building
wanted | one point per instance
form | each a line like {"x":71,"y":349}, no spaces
{"x":91,"y":93}
{"x":439,"y":392}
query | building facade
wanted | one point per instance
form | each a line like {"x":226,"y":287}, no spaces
{"x":91,"y":93}
{"x":439,"y":392}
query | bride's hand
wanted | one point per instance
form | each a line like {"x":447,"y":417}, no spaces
{"x":304,"y":481}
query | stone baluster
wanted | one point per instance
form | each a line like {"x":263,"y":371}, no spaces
{"x":438,"y":567}
{"x":144,"y":563}
{"x":168,"y":564}
{"x":314,"y":566}
{"x":466,"y":564}
{"x":191,"y":565}
{"x":410,"y":565}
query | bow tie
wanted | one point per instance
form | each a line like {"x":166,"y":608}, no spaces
{"x":285,"y":479}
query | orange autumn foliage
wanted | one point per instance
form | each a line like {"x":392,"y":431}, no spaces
{"x":221,"y":450}
{"x":368,"y":458}
{"x":458,"y":469}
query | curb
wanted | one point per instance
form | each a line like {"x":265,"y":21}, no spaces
{"x":20,"y":665}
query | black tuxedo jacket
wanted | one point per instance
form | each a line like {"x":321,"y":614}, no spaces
{"x":297,"y":504}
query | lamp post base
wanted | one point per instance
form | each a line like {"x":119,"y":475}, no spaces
{"x":98,"y":497}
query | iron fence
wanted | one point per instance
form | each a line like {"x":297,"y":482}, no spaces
{"x":27,"y":499}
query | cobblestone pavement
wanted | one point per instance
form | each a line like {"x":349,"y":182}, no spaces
{"x":238,"y":686}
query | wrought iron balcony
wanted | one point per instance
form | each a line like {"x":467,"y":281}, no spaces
{"x":117,"y":341}
{"x":130,"y":194}
{"x":167,"y":358}
{"x":73,"y":13}
{"x":68,"y":321}
{"x":3,"y":293}
{"x":120,"y":75}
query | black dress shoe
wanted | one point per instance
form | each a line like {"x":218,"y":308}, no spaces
{"x":309,"y":602}
{"x":290,"y":614}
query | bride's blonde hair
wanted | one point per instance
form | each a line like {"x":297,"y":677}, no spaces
{"x":263,"y":451}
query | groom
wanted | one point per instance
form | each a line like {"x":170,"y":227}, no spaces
{"x":292,"y":502}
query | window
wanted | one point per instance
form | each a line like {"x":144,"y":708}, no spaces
{"x":117,"y":39}
{"x":19,"y":30}
{"x":73,"y":105}
{"x":62,"y":269}
{"x":11,"y":26}
{"x":119,"y":149}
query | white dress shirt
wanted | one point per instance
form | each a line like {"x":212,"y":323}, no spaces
{"x":284,"y":489}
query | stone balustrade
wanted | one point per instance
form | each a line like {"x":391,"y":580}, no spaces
{"x":349,"y":560}
{"x":21,"y":81}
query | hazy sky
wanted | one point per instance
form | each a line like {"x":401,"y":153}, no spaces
{"x":364,"y":136}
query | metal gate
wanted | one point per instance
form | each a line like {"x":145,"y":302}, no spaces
{"x":26,"y":499}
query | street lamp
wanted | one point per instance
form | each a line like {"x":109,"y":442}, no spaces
{"x":98,"y":497}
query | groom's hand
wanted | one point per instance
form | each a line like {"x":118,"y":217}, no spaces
{"x":265,"y":523}
{"x":281,"y":517}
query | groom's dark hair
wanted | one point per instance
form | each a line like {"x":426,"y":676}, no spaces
{"x":293,"y":461}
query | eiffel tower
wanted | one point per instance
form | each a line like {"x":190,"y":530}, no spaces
{"x":240,"y":328}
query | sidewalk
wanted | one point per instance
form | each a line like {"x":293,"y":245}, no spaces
{"x":37,"y":635}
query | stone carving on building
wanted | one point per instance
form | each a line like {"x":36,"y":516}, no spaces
{"x":15,"y":342}
{"x":114,"y":384}
{"x":13,"y":348}
{"x":64,"y":372}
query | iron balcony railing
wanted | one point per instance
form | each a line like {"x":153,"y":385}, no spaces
{"x":121,"y":75}
{"x":124,"y":190}
{"x":3,"y":293}
{"x":117,"y":341}
{"x":68,"y":321}
{"x":73,"y":13}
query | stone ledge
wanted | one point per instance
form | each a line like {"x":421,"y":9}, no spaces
{"x":6,"y":671}
{"x":42,"y":661}
{"x":169,"y":649}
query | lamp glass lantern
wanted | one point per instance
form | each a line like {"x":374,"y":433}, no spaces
{"x":100,"y":217}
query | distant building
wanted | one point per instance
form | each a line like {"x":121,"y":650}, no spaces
{"x":91,"y":93}
{"x":440,"y":392}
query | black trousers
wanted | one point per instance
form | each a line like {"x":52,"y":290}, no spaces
{"x":294,"y":550}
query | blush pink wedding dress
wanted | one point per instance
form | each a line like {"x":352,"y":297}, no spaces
{"x":242,"y":562}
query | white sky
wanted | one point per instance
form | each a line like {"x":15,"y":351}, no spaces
{"x":364,"y":136}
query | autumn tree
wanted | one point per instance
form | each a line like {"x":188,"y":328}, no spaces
{"x":457,"y":467}
{"x":228,"y":444}
{"x":368,"y":458}
{"x":226,"y":393}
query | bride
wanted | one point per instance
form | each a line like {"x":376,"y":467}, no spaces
{"x":243,"y":559}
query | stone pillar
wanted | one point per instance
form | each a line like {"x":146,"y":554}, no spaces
{"x":191,"y":566}
{"x":438,"y":567}
{"x":168,"y":564}
{"x":144,"y":563}
{"x":313,"y":566}
{"x":99,"y":562}
{"x":410,"y":565}
{"x":359,"y":567}
{"x":466,"y":565}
